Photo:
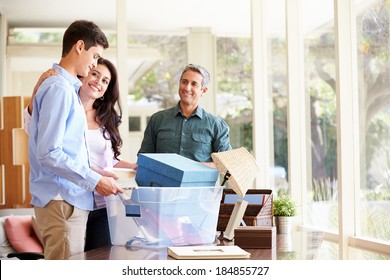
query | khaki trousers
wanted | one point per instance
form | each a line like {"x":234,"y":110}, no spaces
{"x":63,"y":229}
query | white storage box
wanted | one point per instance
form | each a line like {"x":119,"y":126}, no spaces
{"x":170,"y":216}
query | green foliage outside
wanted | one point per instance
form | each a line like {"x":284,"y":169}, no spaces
{"x":160,"y":83}
{"x":234,"y":78}
{"x":48,"y":37}
{"x":21,"y":37}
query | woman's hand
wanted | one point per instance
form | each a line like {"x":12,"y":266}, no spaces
{"x":43,"y":77}
{"x":105,"y":173}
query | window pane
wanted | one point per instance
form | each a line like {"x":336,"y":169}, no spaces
{"x":234,"y":88}
{"x":134,"y":124}
{"x":159,"y":85}
{"x":360,"y":254}
{"x":318,"y":24}
{"x":277,"y":81}
{"x":328,"y":251}
{"x":372,"y":25}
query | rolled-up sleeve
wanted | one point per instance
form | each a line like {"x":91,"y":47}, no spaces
{"x":221,"y":141}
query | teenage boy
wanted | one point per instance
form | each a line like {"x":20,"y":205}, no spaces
{"x":61,"y":180}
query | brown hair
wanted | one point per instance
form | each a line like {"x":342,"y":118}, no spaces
{"x":84,"y":30}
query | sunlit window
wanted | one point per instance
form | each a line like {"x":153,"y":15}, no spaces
{"x":234,"y":86}
{"x":372,"y":25}
{"x":320,"y":85}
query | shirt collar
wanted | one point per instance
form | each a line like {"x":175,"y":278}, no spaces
{"x":198,"y":112}
{"x":74,"y":81}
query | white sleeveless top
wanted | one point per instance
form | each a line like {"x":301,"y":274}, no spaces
{"x":97,"y":148}
{"x":101,"y":157}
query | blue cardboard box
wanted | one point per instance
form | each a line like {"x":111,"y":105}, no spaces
{"x":173,"y":170}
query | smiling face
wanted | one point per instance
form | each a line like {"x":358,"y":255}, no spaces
{"x":95,"y":84}
{"x":190,"y":89}
{"x":88,"y":58}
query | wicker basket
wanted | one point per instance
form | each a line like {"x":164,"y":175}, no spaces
{"x":255,"y":214}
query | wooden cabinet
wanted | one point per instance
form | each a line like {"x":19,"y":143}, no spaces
{"x":14,"y":167}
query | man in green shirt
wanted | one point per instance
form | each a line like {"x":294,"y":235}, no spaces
{"x":187,"y":129}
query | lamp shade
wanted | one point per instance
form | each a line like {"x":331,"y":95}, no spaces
{"x":241,"y":166}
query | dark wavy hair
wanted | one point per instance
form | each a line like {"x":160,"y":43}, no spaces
{"x":106,"y":114}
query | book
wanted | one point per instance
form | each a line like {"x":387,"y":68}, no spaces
{"x":207,"y":252}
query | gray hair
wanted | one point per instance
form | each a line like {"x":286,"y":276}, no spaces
{"x":201,"y":70}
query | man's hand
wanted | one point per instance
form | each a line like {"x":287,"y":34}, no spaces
{"x":108,"y":186}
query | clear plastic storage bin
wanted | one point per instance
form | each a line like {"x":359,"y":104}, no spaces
{"x":170,"y":216}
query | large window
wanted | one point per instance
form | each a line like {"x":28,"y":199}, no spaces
{"x":320,"y":86}
{"x":373,"y":41}
{"x":277,"y":87}
{"x":234,"y":89}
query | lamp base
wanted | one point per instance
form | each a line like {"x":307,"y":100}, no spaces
{"x":235,"y":218}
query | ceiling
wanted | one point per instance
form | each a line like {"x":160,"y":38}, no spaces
{"x":222,"y":16}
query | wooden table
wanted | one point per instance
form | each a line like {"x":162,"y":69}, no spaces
{"x":302,"y":245}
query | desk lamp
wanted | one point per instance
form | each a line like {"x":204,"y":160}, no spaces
{"x":240,"y":169}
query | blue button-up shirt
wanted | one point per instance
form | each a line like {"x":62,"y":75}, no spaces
{"x":195,"y":137}
{"x":58,"y":153}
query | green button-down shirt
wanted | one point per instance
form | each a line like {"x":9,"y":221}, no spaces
{"x":195,"y":137}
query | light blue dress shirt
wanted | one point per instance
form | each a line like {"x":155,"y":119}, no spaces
{"x":58,"y":152}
